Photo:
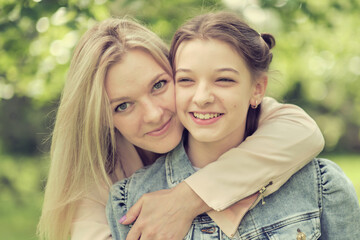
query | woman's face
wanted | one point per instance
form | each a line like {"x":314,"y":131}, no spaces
{"x":142,"y":100}
{"x":213,"y":90}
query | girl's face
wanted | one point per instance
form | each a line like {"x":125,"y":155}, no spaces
{"x":213,"y":90}
{"x":142,"y":99}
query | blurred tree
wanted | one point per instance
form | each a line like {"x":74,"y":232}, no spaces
{"x":36,"y":41}
{"x":317,"y":54}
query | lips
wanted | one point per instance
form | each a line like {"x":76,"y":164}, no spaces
{"x":205,"y":118}
{"x":161,"y":130}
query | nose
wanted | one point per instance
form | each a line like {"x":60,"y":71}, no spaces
{"x":203,"y":95}
{"x":153,"y":111}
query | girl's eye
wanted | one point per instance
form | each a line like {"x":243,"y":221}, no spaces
{"x":225,"y":80}
{"x":184,"y":80}
{"x":159,"y":84}
{"x":122,"y":107}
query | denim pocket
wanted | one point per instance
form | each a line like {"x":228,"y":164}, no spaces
{"x":304,"y":226}
{"x":204,"y":228}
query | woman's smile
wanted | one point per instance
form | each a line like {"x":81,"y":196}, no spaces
{"x":141,"y":93}
{"x":162,"y":130}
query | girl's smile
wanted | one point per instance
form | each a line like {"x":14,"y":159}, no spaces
{"x":205,"y":118}
{"x":213,"y":91}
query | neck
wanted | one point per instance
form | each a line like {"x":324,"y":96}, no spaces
{"x":147,"y":157}
{"x":203,"y":153}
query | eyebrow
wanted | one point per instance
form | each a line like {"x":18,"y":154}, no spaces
{"x":217,"y":70}
{"x":182,"y":70}
{"x":152,"y":82}
{"x":227,"y":70}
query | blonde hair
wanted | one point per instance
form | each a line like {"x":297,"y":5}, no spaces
{"x":83,"y":150}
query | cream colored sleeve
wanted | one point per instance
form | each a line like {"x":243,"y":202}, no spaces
{"x":90,"y":217}
{"x":90,"y":220}
{"x":285,"y":141}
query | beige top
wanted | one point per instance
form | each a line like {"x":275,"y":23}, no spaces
{"x":286,"y":139}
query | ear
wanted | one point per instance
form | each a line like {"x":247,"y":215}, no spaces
{"x":259,"y":90}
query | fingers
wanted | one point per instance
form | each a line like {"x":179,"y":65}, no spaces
{"x":133,"y":213}
{"x":134,"y":234}
{"x":160,"y":216}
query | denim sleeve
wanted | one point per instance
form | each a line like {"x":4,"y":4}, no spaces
{"x":340,"y":217}
{"x":115,"y":209}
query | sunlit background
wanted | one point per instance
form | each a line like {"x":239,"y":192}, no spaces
{"x":316,"y":65}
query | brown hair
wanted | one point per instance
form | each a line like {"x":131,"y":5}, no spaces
{"x":253,"y":47}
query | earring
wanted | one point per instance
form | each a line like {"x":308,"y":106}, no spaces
{"x":256,"y":105}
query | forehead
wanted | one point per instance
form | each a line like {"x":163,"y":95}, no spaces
{"x":200,"y":53}
{"x":136,"y":70}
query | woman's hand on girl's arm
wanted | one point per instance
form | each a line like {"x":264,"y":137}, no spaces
{"x":165,"y":214}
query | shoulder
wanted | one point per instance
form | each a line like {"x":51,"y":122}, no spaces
{"x":90,"y":218}
{"x":141,"y":175}
{"x":125,"y":193}
{"x":332,"y":176}
{"x":337,"y":191}
{"x":141,"y":182}
{"x":340,"y":210}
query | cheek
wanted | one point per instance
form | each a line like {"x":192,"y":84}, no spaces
{"x":168,"y":98}
{"x":182,"y":97}
{"x":118,"y":124}
{"x":126,"y":125}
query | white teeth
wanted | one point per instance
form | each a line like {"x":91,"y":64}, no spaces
{"x":206,"y":116}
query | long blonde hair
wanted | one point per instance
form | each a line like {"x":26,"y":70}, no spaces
{"x":83,"y":150}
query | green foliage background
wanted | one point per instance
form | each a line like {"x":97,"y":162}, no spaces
{"x":317,"y":57}
{"x":316,"y":65}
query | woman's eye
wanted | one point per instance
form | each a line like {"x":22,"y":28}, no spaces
{"x":122,"y":107}
{"x":159,"y":84}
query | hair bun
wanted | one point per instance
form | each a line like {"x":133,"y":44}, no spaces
{"x":269,"y":39}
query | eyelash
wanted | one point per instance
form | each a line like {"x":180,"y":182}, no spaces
{"x":162,"y":85}
{"x":117,"y":108}
{"x":225,"y":80}
{"x":217,"y":80}
{"x":184,"y":80}
{"x":163,"y":82}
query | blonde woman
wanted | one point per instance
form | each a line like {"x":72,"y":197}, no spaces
{"x":114,"y":120}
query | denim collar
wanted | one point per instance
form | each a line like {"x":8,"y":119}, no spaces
{"x":178,"y":166}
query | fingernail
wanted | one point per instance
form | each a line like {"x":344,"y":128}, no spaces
{"x":122,"y":219}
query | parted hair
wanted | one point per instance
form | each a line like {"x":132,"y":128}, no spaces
{"x":83,"y":148}
{"x":253,"y":47}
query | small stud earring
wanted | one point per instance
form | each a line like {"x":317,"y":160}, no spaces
{"x":256,"y":105}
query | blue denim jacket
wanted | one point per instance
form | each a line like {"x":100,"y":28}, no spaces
{"x":318,"y":202}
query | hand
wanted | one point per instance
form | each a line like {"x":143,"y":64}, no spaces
{"x":165,"y":214}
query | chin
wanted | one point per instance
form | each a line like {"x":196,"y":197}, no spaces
{"x":162,"y":149}
{"x":166,"y":145}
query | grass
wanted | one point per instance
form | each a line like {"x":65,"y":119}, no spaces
{"x":21,"y":183}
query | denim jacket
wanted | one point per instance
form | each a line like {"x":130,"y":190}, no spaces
{"x":318,"y":202}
